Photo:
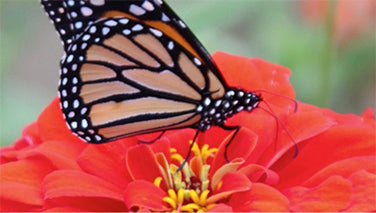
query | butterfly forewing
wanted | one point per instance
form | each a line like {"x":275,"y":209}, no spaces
{"x":131,"y":67}
{"x":122,"y":78}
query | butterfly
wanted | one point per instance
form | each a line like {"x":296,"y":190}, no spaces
{"x":133,"y":67}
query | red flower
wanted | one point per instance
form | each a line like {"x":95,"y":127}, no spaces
{"x":49,"y":169}
{"x":351,"y":18}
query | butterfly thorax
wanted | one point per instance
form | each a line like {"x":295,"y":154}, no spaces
{"x":215,"y":112}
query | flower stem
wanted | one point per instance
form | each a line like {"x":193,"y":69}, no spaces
{"x":328,"y":56}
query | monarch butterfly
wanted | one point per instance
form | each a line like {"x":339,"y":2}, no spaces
{"x":133,"y":67}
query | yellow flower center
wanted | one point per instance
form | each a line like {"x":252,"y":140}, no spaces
{"x":189,"y":188}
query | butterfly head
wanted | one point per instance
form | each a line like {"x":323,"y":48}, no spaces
{"x":217,"y":111}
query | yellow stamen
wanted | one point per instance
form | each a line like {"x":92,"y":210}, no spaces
{"x":195,"y":149}
{"x":173,"y":150}
{"x":191,"y":207}
{"x":170,"y":201}
{"x":177,"y":157}
{"x":194,"y":196}
{"x":203,"y":197}
{"x":180,"y":196}
{"x":157,"y":181}
{"x":172,"y":194}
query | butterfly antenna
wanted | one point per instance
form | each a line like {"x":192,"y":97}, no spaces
{"x":189,"y":152}
{"x":230,"y":128}
{"x":270,"y":112}
{"x":282,"y":96}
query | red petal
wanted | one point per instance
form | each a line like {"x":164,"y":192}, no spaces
{"x":30,"y":136}
{"x":332,"y":195}
{"x":63,"y":209}
{"x":20,"y":184}
{"x":257,"y":173}
{"x":231,"y":183}
{"x":142,"y":163}
{"x":144,"y":194}
{"x":364,"y":188}
{"x":297,"y":126}
{"x":70,"y":183}
{"x":62,"y":154}
{"x":80,"y":190}
{"x":162,"y":146}
{"x":220,"y":208}
{"x":52,"y":125}
{"x":343,"y":168}
{"x":260,"y":198}
{"x":241,"y":146}
{"x":179,"y":139}
{"x":338,"y":143}
{"x":368,"y":116}
{"x":265,"y":76}
{"x":101,"y":159}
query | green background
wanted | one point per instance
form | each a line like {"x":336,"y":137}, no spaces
{"x":323,"y":74}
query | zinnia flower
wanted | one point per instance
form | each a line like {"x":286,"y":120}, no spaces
{"x":49,"y":169}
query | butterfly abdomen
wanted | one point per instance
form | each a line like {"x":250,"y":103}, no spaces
{"x":215,"y":112}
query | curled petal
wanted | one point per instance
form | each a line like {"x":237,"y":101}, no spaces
{"x":231,"y":183}
{"x":142,"y":163}
{"x":257,"y":173}
{"x":227,"y":168}
{"x":241,"y":146}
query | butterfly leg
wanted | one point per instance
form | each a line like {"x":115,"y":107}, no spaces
{"x":189,"y":152}
{"x":152,"y":141}
{"x":230,"y":128}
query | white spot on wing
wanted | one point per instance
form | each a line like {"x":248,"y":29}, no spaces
{"x":148,"y":6}
{"x":137,"y":27}
{"x":78,"y":24}
{"x":197,"y":61}
{"x":76,"y":103}
{"x":84,"y":123}
{"x":64,"y":93}
{"x":86,"y":11}
{"x":156,"y":32}
{"x":136,"y":10}
{"x":74,"y":125}
{"x":97,"y":2}
{"x":111,"y":23}
{"x":69,"y":58}
{"x":126,"y":32}
{"x":182,"y":24}
{"x":170,"y":45}
{"x":124,"y":21}
{"x":93,"y":29}
{"x":105,"y":30}
{"x":165,"y":18}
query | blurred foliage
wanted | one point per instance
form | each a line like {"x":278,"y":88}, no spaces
{"x":323,"y":73}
